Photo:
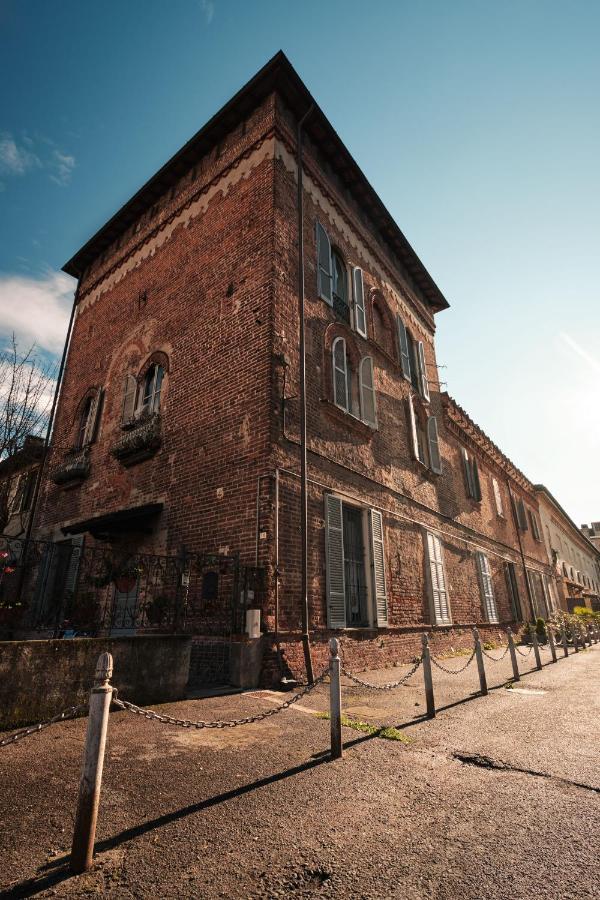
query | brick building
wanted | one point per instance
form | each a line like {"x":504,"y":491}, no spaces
{"x":18,"y":473}
{"x":574,"y":558}
{"x":178,"y":423}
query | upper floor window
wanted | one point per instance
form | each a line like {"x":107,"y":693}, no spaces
{"x":341,"y":301}
{"x":471,"y":476}
{"x":497,"y":498}
{"x":333,"y":284}
{"x":521,"y":516}
{"x":142,"y":398}
{"x":89,"y":419}
{"x":412,"y":359}
{"x":424,"y":438}
{"x":353,"y":390}
{"x":535,"y":529}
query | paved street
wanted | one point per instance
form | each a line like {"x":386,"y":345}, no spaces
{"x":499,"y":796}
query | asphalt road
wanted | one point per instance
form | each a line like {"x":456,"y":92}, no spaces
{"x":498,"y":797}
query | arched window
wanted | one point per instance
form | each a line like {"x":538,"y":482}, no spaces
{"x":150,"y":388}
{"x":84,"y":420}
{"x":353,"y":383}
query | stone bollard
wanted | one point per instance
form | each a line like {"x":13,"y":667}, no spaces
{"x":563,"y":633}
{"x":536,"y":650}
{"x":575,"y":633}
{"x":513,"y":655}
{"x":551,"y":643}
{"x":427,"y":677}
{"x":480,"y":665}
{"x":82,"y":849}
{"x":335,"y":698}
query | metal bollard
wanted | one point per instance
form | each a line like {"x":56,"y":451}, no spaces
{"x":480,"y":665}
{"x":513,"y":655}
{"x":427,"y":677}
{"x":551,"y":643}
{"x":536,"y":650}
{"x":589,"y":635}
{"x":335,"y":699}
{"x":82,"y":849}
{"x":575,"y":632}
{"x":563,"y":633}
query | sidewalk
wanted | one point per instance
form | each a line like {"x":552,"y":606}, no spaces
{"x":259,"y":811}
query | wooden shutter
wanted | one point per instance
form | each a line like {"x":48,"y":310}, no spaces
{"x":129,"y":398}
{"x":413,"y":427}
{"x":334,"y":553}
{"x":324,"y":276}
{"x":368,"y":408}
{"x":435,"y":460}
{"x":521,"y":517}
{"x":422,"y":371}
{"x":513,"y":590}
{"x":534,"y":525}
{"x":497,"y":497}
{"x":73,"y":568}
{"x":340,"y":374}
{"x":93,"y":419}
{"x":486,"y":587}
{"x":440,"y":606}
{"x":403,"y":348}
{"x":360,"y":319}
{"x":378,"y":557}
{"x":475,"y":479}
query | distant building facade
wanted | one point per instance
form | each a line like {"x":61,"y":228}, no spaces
{"x":574,"y":558}
{"x":592,"y":533}
{"x":18,"y":474}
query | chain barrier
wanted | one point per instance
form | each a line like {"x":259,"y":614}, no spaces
{"x":453,"y":671}
{"x":520,"y":652}
{"x":495,"y":658}
{"x":233,"y":723}
{"x":390,"y":686}
{"x":69,"y":713}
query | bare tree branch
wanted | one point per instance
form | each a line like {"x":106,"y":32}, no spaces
{"x":26,"y":389}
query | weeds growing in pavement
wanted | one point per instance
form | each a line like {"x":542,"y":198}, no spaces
{"x":389,"y":734}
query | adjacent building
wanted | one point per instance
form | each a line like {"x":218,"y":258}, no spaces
{"x":178,"y":425}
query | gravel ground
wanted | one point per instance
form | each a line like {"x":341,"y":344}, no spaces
{"x":497,"y":797}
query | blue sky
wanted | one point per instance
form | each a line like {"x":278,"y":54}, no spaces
{"x":477,"y":123}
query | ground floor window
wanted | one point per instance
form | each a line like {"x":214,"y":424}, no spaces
{"x":512,"y":587}
{"x":539,"y":596}
{"x":438,"y":585}
{"x":355,"y":554}
{"x":486,"y":587}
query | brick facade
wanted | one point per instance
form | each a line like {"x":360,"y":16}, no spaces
{"x":204,"y":280}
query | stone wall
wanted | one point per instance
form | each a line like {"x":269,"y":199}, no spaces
{"x":38,"y":679}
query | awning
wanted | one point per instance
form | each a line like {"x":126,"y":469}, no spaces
{"x":137,"y":519}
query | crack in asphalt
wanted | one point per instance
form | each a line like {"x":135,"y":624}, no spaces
{"x":486,"y":762}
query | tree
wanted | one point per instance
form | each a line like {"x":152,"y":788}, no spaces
{"x":27,"y":385}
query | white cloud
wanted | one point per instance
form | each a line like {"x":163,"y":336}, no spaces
{"x":36,"y":309}
{"x":208,"y":8}
{"x":19,"y":157}
{"x":14,"y":158}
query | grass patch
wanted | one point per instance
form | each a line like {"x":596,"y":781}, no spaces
{"x":389,"y":734}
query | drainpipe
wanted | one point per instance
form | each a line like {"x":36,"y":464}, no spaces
{"x":38,"y":481}
{"x":518,"y":530}
{"x":303,"y":467}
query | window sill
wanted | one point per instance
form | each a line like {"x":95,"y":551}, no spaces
{"x":349,"y":420}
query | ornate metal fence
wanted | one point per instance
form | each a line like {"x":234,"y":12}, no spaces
{"x":64,"y":589}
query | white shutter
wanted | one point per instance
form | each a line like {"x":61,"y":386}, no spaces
{"x":486,"y":587}
{"x":422,"y":371}
{"x":360,"y":319}
{"x":403,"y":348}
{"x":440,"y":605}
{"x":340,"y":374}
{"x":468,"y":473}
{"x":73,"y":567}
{"x":497,"y":497}
{"x":413,"y":428}
{"x":334,"y":553}
{"x":129,"y":398}
{"x":378,"y":557}
{"x":324,"y":277}
{"x":435,"y":460}
{"x":368,"y":409}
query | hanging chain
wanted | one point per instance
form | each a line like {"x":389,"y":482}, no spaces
{"x":384,"y":687}
{"x":69,"y":713}
{"x":453,"y":671}
{"x":518,"y":649}
{"x":495,"y":658}
{"x":233,"y":723}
